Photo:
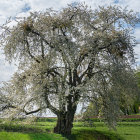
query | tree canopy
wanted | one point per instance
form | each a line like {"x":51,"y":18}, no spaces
{"x":67,"y":57}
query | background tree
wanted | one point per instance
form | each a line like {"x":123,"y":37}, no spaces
{"x":128,"y":104}
{"x":70,"y":56}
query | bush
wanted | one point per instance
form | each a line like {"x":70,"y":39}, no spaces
{"x":18,"y":128}
{"x":92,"y":120}
{"x":130,"y":119}
{"x":45,"y":119}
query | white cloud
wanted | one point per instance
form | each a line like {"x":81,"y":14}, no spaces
{"x":132,"y":4}
{"x":2,"y":19}
{"x":137,"y":48}
{"x":6,"y":70}
{"x":38,"y":5}
{"x":57,"y":4}
{"x":11,"y":7}
{"x":137,"y":53}
{"x":137,"y":34}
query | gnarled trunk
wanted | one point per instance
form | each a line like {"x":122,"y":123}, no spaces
{"x":65,"y":122}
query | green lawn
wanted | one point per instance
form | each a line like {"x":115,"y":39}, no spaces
{"x":125,"y":130}
{"x":29,"y":136}
{"x":43,"y":131}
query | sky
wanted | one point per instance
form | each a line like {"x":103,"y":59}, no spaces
{"x":13,"y":8}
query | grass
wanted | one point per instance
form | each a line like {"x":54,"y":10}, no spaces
{"x":125,"y":130}
{"x":91,"y":134}
{"x":129,"y":130}
{"x":29,"y":136}
{"x":43,"y":131}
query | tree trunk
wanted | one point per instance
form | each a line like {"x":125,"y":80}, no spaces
{"x":65,"y":123}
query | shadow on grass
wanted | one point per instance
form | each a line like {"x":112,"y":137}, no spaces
{"x":45,"y":136}
{"x":93,"y":135}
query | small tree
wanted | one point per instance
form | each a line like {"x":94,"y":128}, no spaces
{"x":69,"y":56}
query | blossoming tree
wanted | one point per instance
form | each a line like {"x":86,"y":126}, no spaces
{"x":66,"y":57}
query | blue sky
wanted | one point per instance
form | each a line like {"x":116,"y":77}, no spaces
{"x":12,"y":8}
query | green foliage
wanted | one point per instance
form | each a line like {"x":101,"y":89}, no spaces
{"x":131,"y":105}
{"x":138,"y":78}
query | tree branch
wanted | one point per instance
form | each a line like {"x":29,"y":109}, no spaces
{"x":22,"y":110}
{"x":88,"y":71}
{"x":34,"y":111}
{"x":7,"y":107}
{"x":43,"y":39}
{"x":42,"y":49}
{"x":28,"y":50}
{"x":52,"y":108}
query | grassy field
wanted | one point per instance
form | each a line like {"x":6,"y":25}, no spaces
{"x":29,"y":136}
{"x":43,"y":131}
